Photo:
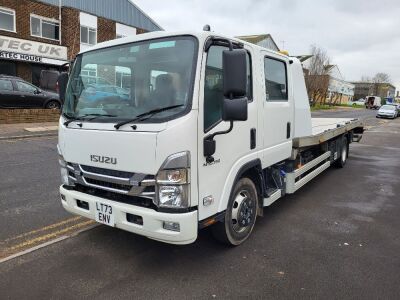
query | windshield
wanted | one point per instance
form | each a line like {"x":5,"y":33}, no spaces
{"x":128,"y":80}
{"x":388,"y":107}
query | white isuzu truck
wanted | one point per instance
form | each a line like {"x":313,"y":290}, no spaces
{"x":163,"y":134}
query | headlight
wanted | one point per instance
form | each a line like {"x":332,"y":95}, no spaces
{"x":64,"y":176}
{"x":176,"y":176}
{"x":173,"y":182}
{"x":173,"y":196}
{"x":63,"y":168}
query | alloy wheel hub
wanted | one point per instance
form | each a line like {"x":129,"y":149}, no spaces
{"x":242,"y":212}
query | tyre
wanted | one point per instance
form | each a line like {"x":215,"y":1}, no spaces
{"x":344,"y":153}
{"x":53,"y":104}
{"x":240,"y":215}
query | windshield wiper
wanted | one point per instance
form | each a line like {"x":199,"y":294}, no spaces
{"x":146,"y":115}
{"x":83,"y":117}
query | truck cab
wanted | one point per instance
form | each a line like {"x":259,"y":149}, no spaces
{"x":205,"y":135}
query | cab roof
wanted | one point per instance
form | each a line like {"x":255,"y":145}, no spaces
{"x":202,"y":36}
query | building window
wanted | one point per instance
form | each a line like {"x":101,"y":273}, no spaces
{"x":275,"y":80}
{"x":7,"y":19}
{"x":88,"y":35}
{"x":45,"y":28}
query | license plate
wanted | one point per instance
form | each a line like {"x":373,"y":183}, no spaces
{"x":104,"y":214}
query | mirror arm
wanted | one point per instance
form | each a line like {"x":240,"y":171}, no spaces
{"x":209,"y":140}
{"x":211,"y":136}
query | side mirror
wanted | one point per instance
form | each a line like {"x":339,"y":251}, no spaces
{"x":234,"y":109}
{"x":234,"y":73}
{"x":37,"y":92}
{"x":235,"y":85}
{"x":62,"y":85}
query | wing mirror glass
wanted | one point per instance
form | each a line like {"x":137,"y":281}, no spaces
{"x":234,"y":72}
{"x":234,"y":109}
{"x":234,"y":64}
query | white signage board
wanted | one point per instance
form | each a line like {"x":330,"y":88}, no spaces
{"x":25,"y":47}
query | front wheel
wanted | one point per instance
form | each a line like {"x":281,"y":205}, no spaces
{"x":53,"y":105}
{"x":240,"y":215}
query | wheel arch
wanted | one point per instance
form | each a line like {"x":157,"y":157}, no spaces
{"x":251,"y":169}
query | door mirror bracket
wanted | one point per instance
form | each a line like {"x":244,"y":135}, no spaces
{"x":209,"y":143}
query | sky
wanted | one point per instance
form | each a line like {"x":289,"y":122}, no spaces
{"x":362,"y":37}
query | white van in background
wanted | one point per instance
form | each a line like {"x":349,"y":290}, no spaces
{"x":373,"y":102}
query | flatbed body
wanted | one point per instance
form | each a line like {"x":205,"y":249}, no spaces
{"x":324,"y":129}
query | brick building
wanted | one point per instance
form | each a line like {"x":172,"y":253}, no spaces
{"x":45,"y":34}
{"x":383,"y":90}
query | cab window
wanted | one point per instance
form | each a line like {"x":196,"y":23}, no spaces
{"x":275,"y":80}
{"x":213,"y":86}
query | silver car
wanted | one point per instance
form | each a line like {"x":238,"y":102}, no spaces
{"x":387,"y":111}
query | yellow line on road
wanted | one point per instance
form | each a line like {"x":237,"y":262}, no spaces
{"x":52,"y":226}
{"x":49,"y":236}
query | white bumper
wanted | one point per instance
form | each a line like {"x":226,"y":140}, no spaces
{"x":152,"y":220}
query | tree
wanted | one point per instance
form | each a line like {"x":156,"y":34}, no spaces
{"x":378,"y":80}
{"x":365,"y":78}
{"x":317,"y":74}
{"x":381,"y":78}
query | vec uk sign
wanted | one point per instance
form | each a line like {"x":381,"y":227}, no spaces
{"x":31,"y":48}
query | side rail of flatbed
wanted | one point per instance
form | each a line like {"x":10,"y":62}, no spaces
{"x":328,"y":131}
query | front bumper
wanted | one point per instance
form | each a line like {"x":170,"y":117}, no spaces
{"x":385,"y":116}
{"x":152,"y":220}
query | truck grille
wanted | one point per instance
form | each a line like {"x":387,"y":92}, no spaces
{"x":107,"y":172}
{"x":121,"y":182}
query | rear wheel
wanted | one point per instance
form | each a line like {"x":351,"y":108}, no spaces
{"x":240,"y":215}
{"x":344,"y":153}
{"x":53,"y":105}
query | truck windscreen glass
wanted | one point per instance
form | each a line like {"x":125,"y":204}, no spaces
{"x":128,"y":80}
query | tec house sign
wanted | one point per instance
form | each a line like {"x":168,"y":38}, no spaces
{"x":13,"y":48}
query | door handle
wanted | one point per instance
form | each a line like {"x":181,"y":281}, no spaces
{"x":288,"y":130}
{"x":253,"y":142}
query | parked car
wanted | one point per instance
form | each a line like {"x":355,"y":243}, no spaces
{"x":397,"y":106}
{"x":387,"y":111}
{"x":373,"y":102}
{"x":357,"y":102}
{"x":96,"y":92}
{"x":17,"y":93}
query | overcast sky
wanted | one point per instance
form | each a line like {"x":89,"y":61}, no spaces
{"x":361,"y":36}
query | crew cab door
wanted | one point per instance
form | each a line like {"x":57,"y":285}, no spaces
{"x":277,"y":108}
{"x":230,"y":147}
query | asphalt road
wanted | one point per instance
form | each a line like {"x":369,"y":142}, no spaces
{"x":337,"y":237}
{"x":29,"y":180}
